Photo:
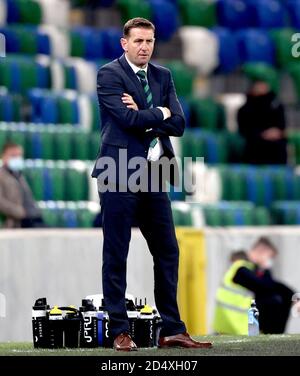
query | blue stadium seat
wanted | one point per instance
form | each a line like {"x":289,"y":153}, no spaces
{"x":48,"y":185}
{"x":49,"y":110}
{"x":228,"y":50}
{"x":70,"y":218}
{"x":6,"y":108}
{"x":43,"y":76}
{"x":112,"y":48}
{"x":15,"y":76}
{"x":93,"y":42}
{"x":259,"y":187}
{"x":13,"y":12}
{"x":12,"y":42}
{"x":36,"y":145}
{"x":43,"y":43}
{"x":293,"y":7}
{"x":234,"y":14}
{"x":255,"y":45}
{"x":268,"y":13}
{"x":165,"y":17}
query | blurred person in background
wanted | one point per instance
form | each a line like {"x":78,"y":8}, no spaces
{"x":17,"y":206}
{"x":249,"y":277}
{"x":261,"y":122}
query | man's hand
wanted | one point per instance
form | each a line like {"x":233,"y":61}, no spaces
{"x":272,"y":134}
{"x":130,"y":103}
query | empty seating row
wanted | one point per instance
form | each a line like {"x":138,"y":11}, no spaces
{"x":226,"y":50}
{"x":230,"y":13}
{"x":69,"y":214}
{"x":51,"y":141}
{"x":49,"y":180}
{"x":54,"y":12}
{"x":80,"y":41}
{"x":219,"y":214}
{"x":20,"y":73}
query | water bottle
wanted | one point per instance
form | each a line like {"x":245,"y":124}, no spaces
{"x":253,"y":324}
{"x":40,"y":327}
{"x":56,"y":328}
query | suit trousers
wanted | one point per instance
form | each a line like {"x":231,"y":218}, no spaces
{"x":152,"y":211}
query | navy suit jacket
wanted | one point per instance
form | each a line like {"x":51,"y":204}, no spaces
{"x":124,"y":128}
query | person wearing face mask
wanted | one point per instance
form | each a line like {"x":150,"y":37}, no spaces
{"x":17,"y":206}
{"x":261,"y":122}
{"x":249,"y":277}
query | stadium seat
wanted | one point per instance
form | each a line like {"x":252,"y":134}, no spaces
{"x":234,"y":14}
{"x":227,"y":50}
{"x":76,"y":182}
{"x":50,"y":214}
{"x":181,"y":214}
{"x":293,"y":7}
{"x":63,"y":144}
{"x":80,"y":145}
{"x":57,"y":173}
{"x":268,"y":13}
{"x":255,"y":45}
{"x":165,"y":18}
{"x":86,"y":213}
{"x":207,"y":114}
{"x":259,"y":187}
{"x":34,"y":175}
{"x":262,"y":217}
{"x":183,"y":77}
{"x":198,"y":12}
{"x":283,"y":46}
{"x":134,"y":8}
{"x":232,"y":102}
{"x":233,"y":183}
{"x":10,"y":107}
{"x":195,"y":39}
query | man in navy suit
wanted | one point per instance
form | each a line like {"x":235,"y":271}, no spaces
{"x":139,"y":111}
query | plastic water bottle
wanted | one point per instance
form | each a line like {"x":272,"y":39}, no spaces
{"x":253,"y":324}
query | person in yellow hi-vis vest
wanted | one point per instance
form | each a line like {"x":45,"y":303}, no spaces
{"x":249,"y":278}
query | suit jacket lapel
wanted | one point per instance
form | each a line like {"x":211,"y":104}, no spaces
{"x":134,"y":79}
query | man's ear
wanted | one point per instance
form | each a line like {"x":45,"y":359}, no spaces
{"x":124,"y":44}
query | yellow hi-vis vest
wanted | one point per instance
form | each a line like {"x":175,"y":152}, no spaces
{"x":232,"y":303}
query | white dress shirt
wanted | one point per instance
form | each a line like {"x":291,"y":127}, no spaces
{"x":156,"y":152}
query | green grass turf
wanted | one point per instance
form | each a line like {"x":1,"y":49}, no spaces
{"x":222,"y":345}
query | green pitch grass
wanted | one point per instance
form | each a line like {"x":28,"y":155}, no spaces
{"x":222,"y":345}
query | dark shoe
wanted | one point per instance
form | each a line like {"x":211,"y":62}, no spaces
{"x":182,"y":340}
{"x":123,"y":342}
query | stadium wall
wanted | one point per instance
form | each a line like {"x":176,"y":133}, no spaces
{"x":65,"y":266}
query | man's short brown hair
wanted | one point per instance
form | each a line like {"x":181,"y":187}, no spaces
{"x":137,"y":22}
{"x":267,"y":243}
{"x":9,"y":145}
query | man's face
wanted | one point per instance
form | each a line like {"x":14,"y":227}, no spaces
{"x":14,"y":152}
{"x":139,"y":46}
{"x":262,"y":256}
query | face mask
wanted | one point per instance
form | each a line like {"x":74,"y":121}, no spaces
{"x":15,"y":164}
{"x":269,"y":264}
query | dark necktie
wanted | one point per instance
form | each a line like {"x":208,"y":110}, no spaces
{"x":142,"y":76}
